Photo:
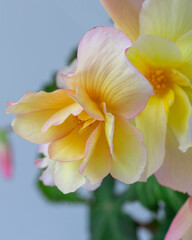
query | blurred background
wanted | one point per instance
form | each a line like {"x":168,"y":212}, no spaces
{"x":37,"y":38}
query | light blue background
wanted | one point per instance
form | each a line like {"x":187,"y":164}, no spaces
{"x":36,"y":39}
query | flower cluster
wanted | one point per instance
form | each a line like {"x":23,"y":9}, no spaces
{"x":124,"y":106}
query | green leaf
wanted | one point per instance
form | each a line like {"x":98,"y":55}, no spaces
{"x":108,"y":222}
{"x":164,"y":225}
{"x":55,"y":195}
{"x":151,"y":192}
{"x":73,"y":56}
{"x":51,"y":86}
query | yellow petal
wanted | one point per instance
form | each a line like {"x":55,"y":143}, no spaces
{"x":40,"y":101}
{"x":98,"y":160}
{"x":178,"y":119}
{"x":29,"y":125}
{"x":125,"y":14}
{"x":152,"y":122}
{"x":168,"y":19}
{"x":66,"y":176}
{"x":154,"y":51}
{"x":71,"y":147}
{"x":109,"y":128}
{"x":176,"y":169}
{"x":185,"y":45}
{"x":129,"y":152}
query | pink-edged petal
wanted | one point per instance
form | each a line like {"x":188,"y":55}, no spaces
{"x":125,"y":14}
{"x":181,"y":223}
{"x":152,"y":122}
{"x":71,"y":147}
{"x":105,"y":74}
{"x":129,"y":152}
{"x":176,"y":169}
{"x":65,"y":70}
{"x":33,"y":101}
{"x":168,"y":19}
{"x":60,"y":116}
{"x":67,"y":177}
{"x":29,"y":125}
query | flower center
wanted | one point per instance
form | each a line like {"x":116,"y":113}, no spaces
{"x":159,"y":79}
{"x":78,"y":121}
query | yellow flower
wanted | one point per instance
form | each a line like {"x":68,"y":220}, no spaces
{"x":87,"y":126}
{"x":162,"y":52}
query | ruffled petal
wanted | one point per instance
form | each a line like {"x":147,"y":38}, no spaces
{"x":60,"y":116}
{"x":29,"y":125}
{"x":71,"y":147}
{"x":109,"y":77}
{"x":167,"y":19}
{"x":181,"y":223}
{"x":67,"y":177}
{"x":125,"y":14}
{"x":153,"y":122}
{"x":179,"y":114}
{"x":176,"y":169}
{"x":33,"y":101}
{"x":129,"y":151}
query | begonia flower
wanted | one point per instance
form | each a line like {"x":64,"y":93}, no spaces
{"x":5,"y":155}
{"x":87,"y":125}
{"x":181,"y":227}
{"x":162,"y":52}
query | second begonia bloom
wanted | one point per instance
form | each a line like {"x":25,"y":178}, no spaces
{"x":181,"y":227}
{"x":162,"y":52}
{"x":87,"y":125}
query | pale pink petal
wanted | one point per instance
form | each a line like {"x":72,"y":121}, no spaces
{"x":181,"y":223}
{"x":176,"y":169}
{"x":125,"y":14}
{"x":65,"y":70}
{"x":47,"y":175}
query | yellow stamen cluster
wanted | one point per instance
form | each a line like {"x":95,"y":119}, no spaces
{"x":159,"y":80}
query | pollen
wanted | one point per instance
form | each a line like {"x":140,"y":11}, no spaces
{"x":159,"y":79}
